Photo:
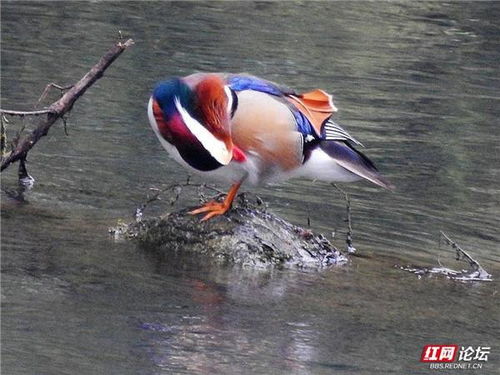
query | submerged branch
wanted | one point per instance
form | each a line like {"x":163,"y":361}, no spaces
{"x":461,"y":252}
{"x":475,"y":273}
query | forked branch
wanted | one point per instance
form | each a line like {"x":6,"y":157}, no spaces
{"x":57,"y":109}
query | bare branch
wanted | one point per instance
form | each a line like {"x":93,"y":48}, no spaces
{"x":57,"y":109}
{"x":475,"y":273}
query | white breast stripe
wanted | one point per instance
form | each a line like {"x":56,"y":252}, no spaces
{"x":215,"y":147}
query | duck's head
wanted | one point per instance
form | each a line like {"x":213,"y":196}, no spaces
{"x":195,"y":118}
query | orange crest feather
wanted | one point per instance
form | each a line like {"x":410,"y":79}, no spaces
{"x":213,"y":103}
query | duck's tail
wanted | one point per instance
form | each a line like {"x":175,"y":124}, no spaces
{"x":354,"y":161}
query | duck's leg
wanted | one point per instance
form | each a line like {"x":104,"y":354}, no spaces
{"x":215,"y":208}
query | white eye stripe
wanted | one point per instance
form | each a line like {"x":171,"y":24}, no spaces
{"x":215,"y":147}
{"x":229,"y":95}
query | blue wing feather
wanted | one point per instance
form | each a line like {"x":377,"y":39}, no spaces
{"x":240,"y":83}
{"x":303,"y":124}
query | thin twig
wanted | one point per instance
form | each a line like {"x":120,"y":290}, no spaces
{"x":25,"y":179}
{"x":350,"y":248}
{"x":3,"y":135}
{"x":47,"y":89}
{"x":65,"y":124}
{"x":177,"y":189}
{"x":26,"y":113}
{"x":461,"y":253}
{"x":15,"y":140}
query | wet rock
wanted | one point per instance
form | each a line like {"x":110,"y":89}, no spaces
{"x":247,"y":235}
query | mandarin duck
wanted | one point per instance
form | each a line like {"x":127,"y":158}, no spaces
{"x":243,"y":128}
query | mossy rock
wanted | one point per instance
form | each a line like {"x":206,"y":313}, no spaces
{"x":247,"y":235}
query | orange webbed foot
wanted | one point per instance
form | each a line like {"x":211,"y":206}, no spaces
{"x":214,"y":208}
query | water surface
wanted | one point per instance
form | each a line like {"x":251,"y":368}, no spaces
{"x":418,"y":84}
